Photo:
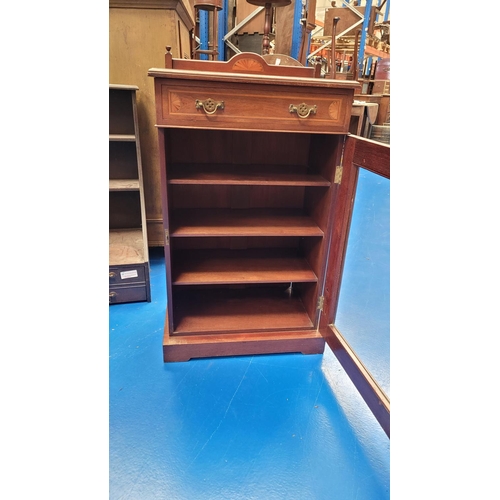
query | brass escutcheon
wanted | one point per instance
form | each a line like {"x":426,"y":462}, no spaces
{"x":209,"y":105}
{"x":303,"y":110}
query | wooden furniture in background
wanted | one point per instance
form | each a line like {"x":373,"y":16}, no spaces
{"x":212,"y":7}
{"x":128,"y":243}
{"x":138,"y":33}
{"x":268,"y":15}
{"x":364,"y":115}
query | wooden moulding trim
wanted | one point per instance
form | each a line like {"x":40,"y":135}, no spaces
{"x":374,"y":396}
{"x":231,"y":338}
{"x":372,"y":155}
{"x":229,"y":346}
{"x":176,"y":5}
{"x":252,"y":78}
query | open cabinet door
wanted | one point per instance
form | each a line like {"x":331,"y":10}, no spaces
{"x":375,"y":157}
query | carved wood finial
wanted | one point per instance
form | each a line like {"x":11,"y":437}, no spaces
{"x":168,"y":57}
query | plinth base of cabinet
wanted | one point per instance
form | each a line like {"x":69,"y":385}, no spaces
{"x":186,"y":347}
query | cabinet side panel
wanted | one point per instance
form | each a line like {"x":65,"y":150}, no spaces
{"x":324,"y":155}
{"x":164,"y":155}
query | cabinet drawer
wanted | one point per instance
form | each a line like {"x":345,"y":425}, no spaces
{"x":282,"y":108}
{"x":132,"y":293}
{"x":127,"y":274}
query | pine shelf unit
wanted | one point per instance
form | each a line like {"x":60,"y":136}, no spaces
{"x":128,"y":244}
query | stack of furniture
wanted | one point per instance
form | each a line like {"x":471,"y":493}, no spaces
{"x":128,"y":243}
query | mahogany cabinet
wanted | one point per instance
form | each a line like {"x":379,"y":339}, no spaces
{"x":252,"y":160}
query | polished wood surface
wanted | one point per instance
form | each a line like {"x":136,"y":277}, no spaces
{"x":372,"y":155}
{"x":245,"y":175}
{"x":184,"y":348}
{"x":244,"y":222}
{"x":229,"y":310}
{"x":219,"y":266}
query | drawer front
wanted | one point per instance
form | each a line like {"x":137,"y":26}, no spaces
{"x":127,"y":274}
{"x":133,"y":293}
{"x":250,"y":107}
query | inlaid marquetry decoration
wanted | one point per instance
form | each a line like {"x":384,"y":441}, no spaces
{"x":175,"y":102}
{"x":334,"y":109}
{"x":248,"y":65}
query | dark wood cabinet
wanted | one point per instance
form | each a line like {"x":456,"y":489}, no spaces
{"x":252,"y":159}
{"x":128,"y":244}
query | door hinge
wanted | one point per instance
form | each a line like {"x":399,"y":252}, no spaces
{"x":338,"y":174}
{"x":167,"y":237}
{"x":321,"y":302}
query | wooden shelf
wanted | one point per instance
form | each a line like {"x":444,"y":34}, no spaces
{"x":198,"y":267}
{"x":122,"y":137}
{"x":128,"y":239}
{"x":238,"y":310}
{"x":242,"y":222}
{"x":126,"y":246}
{"x":245,"y":175}
{"x":124,"y":185}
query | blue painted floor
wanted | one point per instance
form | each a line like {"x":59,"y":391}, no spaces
{"x":251,"y":427}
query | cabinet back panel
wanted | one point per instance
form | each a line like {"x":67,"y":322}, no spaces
{"x":231,"y":309}
{"x":239,"y":242}
{"x":224,"y":146}
{"x":124,"y":210}
{"x":226,"y":196}
{"x":123,"y":160}
{"x":121,"y":115}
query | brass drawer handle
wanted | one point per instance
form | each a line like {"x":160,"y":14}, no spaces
{"x":112,"y":295}
{"x":112,"y":274}
{"x":303,"y":109}
{"x":209,"y":105}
